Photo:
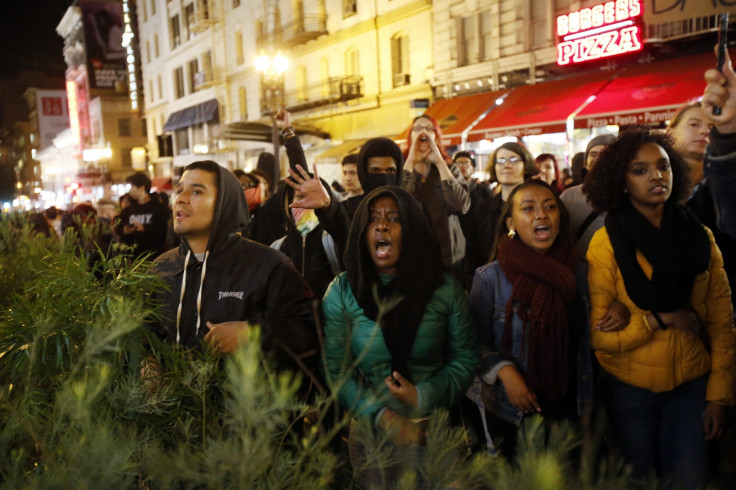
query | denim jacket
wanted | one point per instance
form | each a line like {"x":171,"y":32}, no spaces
{"x":488,"y":298}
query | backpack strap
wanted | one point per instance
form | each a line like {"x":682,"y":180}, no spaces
{"x":329,"y":245}
{"x":585,"y":224}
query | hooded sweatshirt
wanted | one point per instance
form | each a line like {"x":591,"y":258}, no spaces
{"x":237,"y":280}
{"x":376,"y":147}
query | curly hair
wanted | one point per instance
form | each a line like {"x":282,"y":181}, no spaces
{"x":605,"y":183}
{"x":437,"y":137}
{"x":529,"y":168}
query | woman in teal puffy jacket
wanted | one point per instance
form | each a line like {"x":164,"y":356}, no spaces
{"x":394,"y":365}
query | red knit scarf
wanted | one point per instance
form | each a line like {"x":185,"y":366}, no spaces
{"x":542,"y":286}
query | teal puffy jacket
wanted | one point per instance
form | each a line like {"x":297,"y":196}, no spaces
{"x":443,"y":359}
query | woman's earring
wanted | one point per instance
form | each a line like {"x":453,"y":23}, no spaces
{"x":512,"y":233}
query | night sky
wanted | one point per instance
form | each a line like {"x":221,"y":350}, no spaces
{"x":28,"y":38}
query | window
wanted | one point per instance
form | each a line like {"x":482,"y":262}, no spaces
{"x":182,"y":141}
{"x":539,"y":25}
{"x":179,"y":83}
{"x":351,"y":62}
{"x":236,"y":4}
{"x":193,"y":69}
{"x":123,"y":127}
{"x":145,"y":12}
{"x":301,"y":84}
{"x":484,"y":26}
{"x":189,"y":19}
{"x":155,"y":45}
{"x":144,"y":127}
{"x":150,"y":91}
{"x":153,"y":7}
{"x":243,"y":103}
{"x":239,"y":59}
{"x":148,"y":51}
{"x":468,"y":41}
{"x":126,"y":160}
{"x":160,"y":87}
{"x":400,"y":59}
{"x":175,"y":34}
{"x":349,"y":8}
{"x":207,"y":63}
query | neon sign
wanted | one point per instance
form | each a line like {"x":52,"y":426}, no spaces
{"x":71,"y":94}
{"x":128,"y":36}
{"x":609,"y":29}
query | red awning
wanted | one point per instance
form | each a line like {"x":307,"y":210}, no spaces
{"x":647,"y":94}
{"x":457,"y":114}
{"x":161,"y":184}
{"x":539,"y":108}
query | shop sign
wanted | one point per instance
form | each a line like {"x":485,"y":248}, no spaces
{"x":605,"y":30}
{"x":638,"y":118}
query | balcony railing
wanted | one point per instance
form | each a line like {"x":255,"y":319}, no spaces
{"x":330,"y":91}
{"x":298,"y":31}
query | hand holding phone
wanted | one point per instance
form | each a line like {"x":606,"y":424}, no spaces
{"x":722,"y":42}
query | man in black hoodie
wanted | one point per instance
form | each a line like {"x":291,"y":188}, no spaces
{"x":222,"y":284}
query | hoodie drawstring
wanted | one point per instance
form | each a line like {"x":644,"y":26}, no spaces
{"x":183,"y":289}
{"x":181,"y":297}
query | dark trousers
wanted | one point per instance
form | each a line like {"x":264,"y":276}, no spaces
{"x":662,"y":427}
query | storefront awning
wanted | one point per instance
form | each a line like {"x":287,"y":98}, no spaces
{"x":336,"y":153}
{"x":204,"y":112}
{"x":539,"y":108}
{"x":258,"y":131}
{"x":161,"y":184}
{"x":458,"y":114}
{"x":648,"y":94}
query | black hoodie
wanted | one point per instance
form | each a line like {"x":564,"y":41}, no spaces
{"x":376,"y":147}
{"x":238,"y":280}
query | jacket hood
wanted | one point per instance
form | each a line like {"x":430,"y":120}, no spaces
{"x":379,"y":147}
{"x":231,"y":209}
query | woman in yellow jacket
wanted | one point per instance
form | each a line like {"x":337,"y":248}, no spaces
{"x":670,"y":373}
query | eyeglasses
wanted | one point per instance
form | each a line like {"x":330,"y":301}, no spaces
{"x":511,"y":160}
{"x":429,"y":129}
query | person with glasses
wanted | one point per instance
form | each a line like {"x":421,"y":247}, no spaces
{"x":432,"y":178}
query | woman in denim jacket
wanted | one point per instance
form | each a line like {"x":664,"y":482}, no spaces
{"x":539,"y":359}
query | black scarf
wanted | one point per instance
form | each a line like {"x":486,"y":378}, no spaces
{"x":678,"y":251}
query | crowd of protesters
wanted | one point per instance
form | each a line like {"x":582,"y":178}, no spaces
{"x":560,"y":293}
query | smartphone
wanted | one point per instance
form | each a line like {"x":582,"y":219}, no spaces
{"x":722,"y":41}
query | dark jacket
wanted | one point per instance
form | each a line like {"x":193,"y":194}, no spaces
{"x":443,"y":201}
{"x":308,"y":253}
{"x":155,"y":218}
{"x":479,"y":194}
{"x":483,"y":232}
{"x":239,"y":280}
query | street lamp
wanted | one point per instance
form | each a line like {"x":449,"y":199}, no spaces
{"x":272,"y":71}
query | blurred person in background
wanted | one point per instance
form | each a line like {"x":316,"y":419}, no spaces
{"x":433,"y":179}
{"x":550,"y":171}
{"x":350,"y":180}
{"x":584,"y":220}
{"x":479,"y":193}
{"x":143,"y":224}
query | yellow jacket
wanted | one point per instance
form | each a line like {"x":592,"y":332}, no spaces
{"x":664,"y":359}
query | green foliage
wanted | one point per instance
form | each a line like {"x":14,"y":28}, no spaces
{"x":84,"y":405}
